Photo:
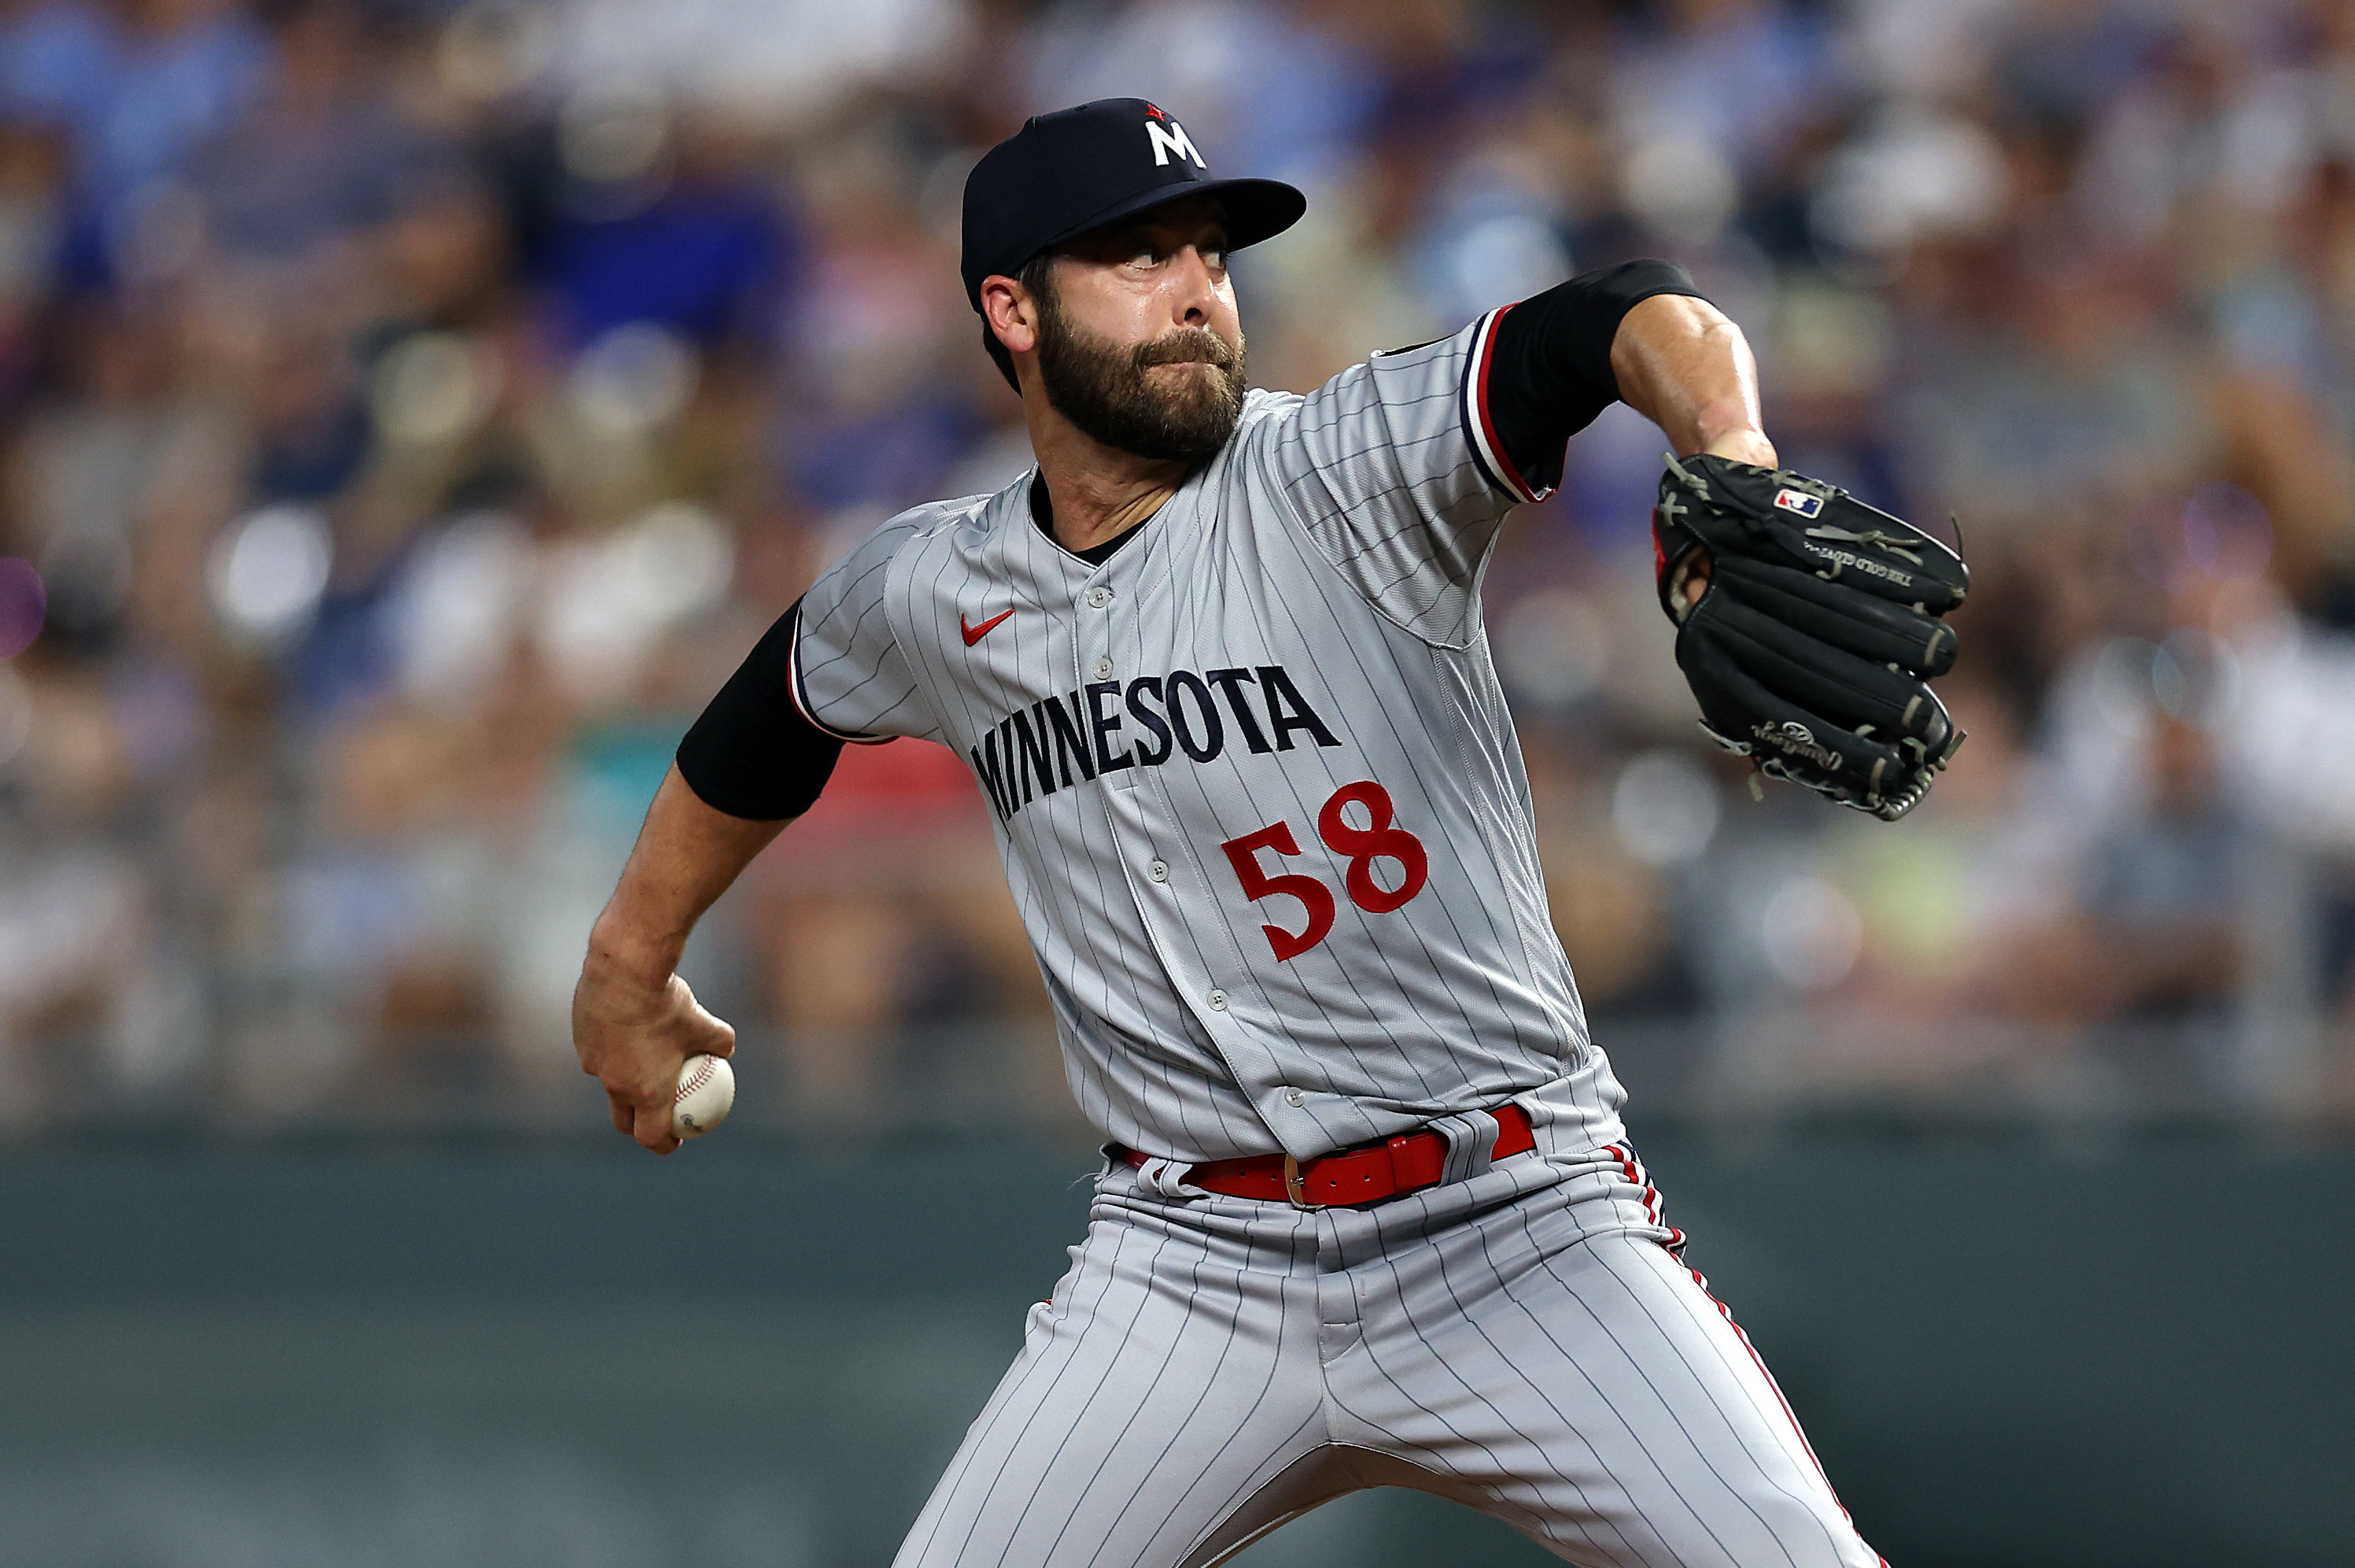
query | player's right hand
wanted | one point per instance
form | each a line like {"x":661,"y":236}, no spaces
{"x":633,"y":1038}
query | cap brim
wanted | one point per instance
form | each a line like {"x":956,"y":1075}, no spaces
{"x":1256,"y":209}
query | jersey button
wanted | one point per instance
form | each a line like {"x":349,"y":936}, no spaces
{"x":1218,"y":1001}
{"x":1099,"y":597}
{"x":1104,"y":668}
{"x":1158,"y":871}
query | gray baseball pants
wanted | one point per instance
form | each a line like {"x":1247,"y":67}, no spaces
{"x":1523,"y":1341}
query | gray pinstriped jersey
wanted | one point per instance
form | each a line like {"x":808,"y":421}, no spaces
{"x":1258,"y":795}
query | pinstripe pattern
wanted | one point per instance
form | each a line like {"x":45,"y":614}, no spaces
{"x":1302,"y":617}
{"x":1339,"y":539}
{"x":1523,"y":1342}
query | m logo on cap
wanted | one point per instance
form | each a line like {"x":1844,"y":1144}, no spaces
{"x":1172,"y":140}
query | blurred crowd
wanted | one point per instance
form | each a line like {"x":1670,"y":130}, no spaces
{"x":409,"y":414}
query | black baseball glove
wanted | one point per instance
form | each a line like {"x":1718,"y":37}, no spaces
{"x":1810,"y":647}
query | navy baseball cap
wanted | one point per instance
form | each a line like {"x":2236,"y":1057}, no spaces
{"x":1076,"y":170}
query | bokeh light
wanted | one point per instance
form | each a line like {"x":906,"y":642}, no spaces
{"x":635,"y":377}
{"x":1665,"y":808}
{"x":433,"y":387}
{"x":15,"y":714}
{"x":1553,"y":647}
{"x":1811,"y":933}
{"x":23,"y":605}
{"x":268,"y":573}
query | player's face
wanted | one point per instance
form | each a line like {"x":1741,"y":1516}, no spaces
{"x":1140,"y":345}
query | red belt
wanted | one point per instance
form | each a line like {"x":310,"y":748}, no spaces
{"x":1404,"y":1164}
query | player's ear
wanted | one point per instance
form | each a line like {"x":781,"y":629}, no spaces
{"x":1011,"y":311}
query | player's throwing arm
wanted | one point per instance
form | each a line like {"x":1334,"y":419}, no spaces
{"x":635,"y":1022}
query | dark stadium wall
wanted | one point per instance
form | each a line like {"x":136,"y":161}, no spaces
{"x":758,"y":1353}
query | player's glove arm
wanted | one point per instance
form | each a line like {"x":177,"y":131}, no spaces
{"x":1684,"y":365}
{"x":1811,"y":649}
{"x":1551,"y":371}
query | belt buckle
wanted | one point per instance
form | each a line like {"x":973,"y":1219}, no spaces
{"x":1296,"y":1186}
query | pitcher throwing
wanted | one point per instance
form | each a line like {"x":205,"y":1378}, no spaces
{"x":1368,"y":1214}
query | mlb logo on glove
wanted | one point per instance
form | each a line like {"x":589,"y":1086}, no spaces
{"x":1799,"y":501}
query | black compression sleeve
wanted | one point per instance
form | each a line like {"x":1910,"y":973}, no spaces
{"x":1549,"y":373}
{"x":753,"y":754}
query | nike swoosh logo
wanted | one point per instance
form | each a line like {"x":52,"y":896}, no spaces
{"x":974,"y":635}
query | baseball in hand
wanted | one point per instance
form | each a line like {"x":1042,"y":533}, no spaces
{"x":706,"y":1087}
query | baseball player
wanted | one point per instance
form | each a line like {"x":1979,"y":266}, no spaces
{"x":1368,"y":1214}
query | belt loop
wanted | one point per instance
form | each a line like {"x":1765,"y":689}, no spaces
{"x":1400,"y":1180}
{"x":1471,"y":1144}
{"x":1166,"y":1178}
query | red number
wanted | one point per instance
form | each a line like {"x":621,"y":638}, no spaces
{"x":1377,"y":841}
{"x":1242,"y":854}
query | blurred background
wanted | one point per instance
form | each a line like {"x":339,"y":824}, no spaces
{"x":411,"y":413}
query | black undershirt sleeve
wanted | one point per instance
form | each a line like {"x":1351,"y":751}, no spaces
{"x":1549,"y":374}
{"x":753,"y":754}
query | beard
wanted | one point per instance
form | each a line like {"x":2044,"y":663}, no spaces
{"x":1103,"y":387}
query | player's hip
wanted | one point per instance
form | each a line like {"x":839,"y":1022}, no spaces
{"x":1542,"y":1169}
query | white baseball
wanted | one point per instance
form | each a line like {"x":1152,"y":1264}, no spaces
{"x":706,"y":1087}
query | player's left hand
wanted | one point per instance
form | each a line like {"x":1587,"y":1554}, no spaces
{"x":1745,"y":443}
{"x":1808,"y":626}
